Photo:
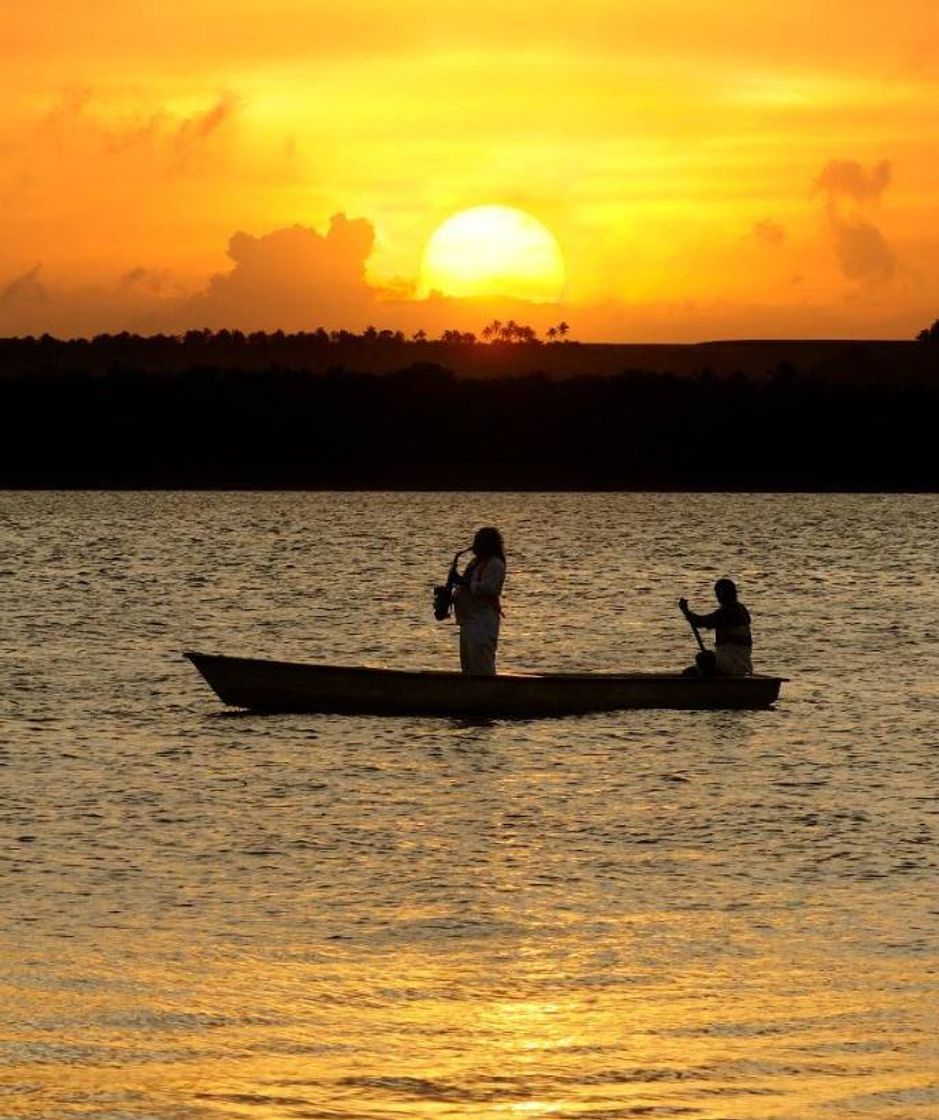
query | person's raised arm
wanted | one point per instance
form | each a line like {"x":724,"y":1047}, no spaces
{"x":704,"y":621}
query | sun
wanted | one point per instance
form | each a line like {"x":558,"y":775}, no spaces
{"x":493,"y":251}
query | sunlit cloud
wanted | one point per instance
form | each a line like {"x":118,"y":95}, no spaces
{"x":768,"y":232}
{"x":851,"y":192}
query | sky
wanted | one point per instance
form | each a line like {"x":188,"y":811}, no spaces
{"x":708,"y":168}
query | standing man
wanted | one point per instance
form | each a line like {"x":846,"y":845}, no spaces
{"x":477,"y":606}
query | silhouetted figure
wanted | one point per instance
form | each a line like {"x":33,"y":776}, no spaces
{"x":476,"y":603}
{"x":731,"y":626}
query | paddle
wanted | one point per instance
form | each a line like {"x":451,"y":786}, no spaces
{"x":705,"y":660}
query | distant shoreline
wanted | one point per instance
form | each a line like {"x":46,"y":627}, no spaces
{"x":270,"y":412}
{"x":855,"y":360}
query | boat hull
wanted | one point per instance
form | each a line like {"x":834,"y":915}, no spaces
{"x":283,"y":686}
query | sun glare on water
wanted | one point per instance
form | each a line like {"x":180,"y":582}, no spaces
{"x":493,"y":251}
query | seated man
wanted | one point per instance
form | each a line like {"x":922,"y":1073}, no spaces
{"x":731,"y":626}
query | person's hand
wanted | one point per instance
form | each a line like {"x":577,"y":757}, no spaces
{"x":683,"y":606}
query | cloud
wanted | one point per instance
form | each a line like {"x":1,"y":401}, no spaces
{"x":26,"y":288}
{"x":66,"y":111}
{"x":851,"y":195}
{"x":82,"y":117}
{"x":769,"y":232}
{"x":845,"y":180}
{"x":863,"y":253}
{"x":290,"y":279}
{"x":158,"y":281}
{"x":193,"y":131}
{"x":140,"y":134}
{"x":29,"y":306}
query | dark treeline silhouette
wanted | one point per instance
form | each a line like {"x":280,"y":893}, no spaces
{"x":500,"y":350}
{"x":186,"y":422}
{"x":254,"y":350}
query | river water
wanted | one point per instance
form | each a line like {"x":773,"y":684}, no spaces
{"x":712,"y":915}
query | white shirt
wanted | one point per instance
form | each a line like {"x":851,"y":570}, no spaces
{"x":477,"y":603}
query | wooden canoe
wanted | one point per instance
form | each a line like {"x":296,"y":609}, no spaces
{"x":283,"y":686}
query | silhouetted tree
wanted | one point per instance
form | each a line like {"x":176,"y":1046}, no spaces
{"x":930,"y":334}
{"x":458,"y":338}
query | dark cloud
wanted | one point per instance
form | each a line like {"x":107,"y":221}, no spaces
{"x":158,"y":281}
{"x":863,"y":253}
{"x":196,"y":129}
{"x":291,"y":279}
{"x":845,"y":180}
{"x":768,"y":232}
{"x":851,"y":195}
{"x":141,"y":134}
{"x":26,"y":288}
{"x":78,"y":117}
{"x":67,"y":110}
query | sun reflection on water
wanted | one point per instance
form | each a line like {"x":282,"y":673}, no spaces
{"x":693,"y":914}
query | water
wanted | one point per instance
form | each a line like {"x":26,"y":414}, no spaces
{"x":724,"y":916}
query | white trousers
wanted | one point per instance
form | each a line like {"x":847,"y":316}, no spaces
{"x":478,"y":649}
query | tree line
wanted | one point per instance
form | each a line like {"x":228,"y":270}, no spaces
{"x":209,"y":424}
{"x":317,"y":350}
{"x":236,"y":346}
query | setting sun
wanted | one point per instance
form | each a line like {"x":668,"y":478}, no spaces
{"x":494,"y":251}
{"x":670,"y":172}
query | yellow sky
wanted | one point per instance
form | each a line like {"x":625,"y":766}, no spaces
{"x":708,"y":167}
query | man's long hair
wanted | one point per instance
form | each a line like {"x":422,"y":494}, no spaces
{"x":488,"y":543}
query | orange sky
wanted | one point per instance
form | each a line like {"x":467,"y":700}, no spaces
{"x":710,"y":168}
